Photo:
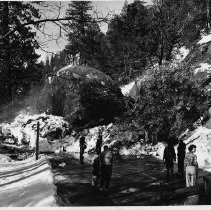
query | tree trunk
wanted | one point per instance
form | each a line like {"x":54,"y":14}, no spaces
{"x":168,"y":56}
{"x":208,"y":16}
{"x":160,"y":61}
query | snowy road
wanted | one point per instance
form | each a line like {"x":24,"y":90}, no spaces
{"x":134,"y":182}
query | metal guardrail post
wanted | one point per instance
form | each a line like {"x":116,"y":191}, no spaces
{"x":37,"y":141}
{"x":205,"y":185}
{"x":161,"y":191}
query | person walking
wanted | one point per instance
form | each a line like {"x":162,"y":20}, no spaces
{"x":106,"y":164}
{"x":191,"y":166}
{"x":180,"y":157}
{"x":99,"y":143}
{"x":169,"y":157}
{"x":82,"y":148}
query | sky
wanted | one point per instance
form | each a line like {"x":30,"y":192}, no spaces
{"x":51,"y":44}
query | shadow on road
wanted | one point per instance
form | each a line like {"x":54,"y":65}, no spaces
{"x":135,"y":182}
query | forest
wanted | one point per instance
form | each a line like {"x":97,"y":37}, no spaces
{"x":140,"y":40}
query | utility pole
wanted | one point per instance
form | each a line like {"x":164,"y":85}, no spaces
{"x":37,"y":142}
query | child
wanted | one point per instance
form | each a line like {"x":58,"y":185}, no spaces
{"x":96,"y":173}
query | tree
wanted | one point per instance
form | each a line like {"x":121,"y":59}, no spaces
{"x":126,"y":35}
{"x":171,"y":100}
{"x":18,"y":49}
{"x":84,"y":33}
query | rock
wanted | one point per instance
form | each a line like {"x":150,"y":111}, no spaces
{"x":24,"y":129}
{"x":82,"y":95}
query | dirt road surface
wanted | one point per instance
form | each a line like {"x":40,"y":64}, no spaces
{"x":135,"y":182}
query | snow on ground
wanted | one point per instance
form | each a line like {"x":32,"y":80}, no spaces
{"x":127,"y":88}
{"x":90,"y":138}
{"x":205,"y":39}
{"x":203,"y":67}
{"x":27,"y":183}
{"x":5,"y":159}
{"x":182,"y":52}
{"x":24,"y":127}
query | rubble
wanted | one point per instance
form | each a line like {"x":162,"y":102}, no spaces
{"x":24,"y":129}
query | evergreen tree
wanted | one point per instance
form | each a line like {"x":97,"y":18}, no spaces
{"x":85,"y":35}
{"x":17,"y":53}
{"x":126,"y":35}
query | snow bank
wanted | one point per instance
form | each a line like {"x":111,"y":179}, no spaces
{"x":27,"y":183}
{"x":24,"y":128}
{"x":205,"y":39}
{"x":5,"y":159}
{"x":203,"y":67}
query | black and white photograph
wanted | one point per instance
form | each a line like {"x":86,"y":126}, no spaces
{"x":105,"y":103}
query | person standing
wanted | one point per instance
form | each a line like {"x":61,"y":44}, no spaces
{"x":191,"y":166}
{"x":106,"y":164}
{"x":99,"y":143}
{"x":169,"y":157}
{"x":95,"y":173}
{"x":180,"y":157}
{"x":82,"y":148}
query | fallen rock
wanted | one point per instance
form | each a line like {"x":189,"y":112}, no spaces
{"x":82,"y":95}
{"x":23,"y":130}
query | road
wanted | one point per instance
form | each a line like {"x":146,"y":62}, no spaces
{"x":135,"y":182}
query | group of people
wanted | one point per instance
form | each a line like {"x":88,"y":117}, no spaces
{"x":102,"y":164}
{"x":187,"y":162}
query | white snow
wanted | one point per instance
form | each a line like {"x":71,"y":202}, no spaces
{"x":31,"y":186}
{"x":127,"y":88}
{"x":203,"y":67}
{"x":27,"y":133}
{"x":182,"y":52}
{"x":205,"y":39}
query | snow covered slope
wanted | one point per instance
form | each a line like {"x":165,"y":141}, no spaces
{"x":27,"y":183}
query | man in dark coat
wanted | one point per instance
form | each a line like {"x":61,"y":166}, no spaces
{"x":95,"y":173}
{"x":180,"y":157}
{"x":106,"y":164}
{"x":99,"y":144}
{"x":82,"y":148}
{"x":169,"y":157}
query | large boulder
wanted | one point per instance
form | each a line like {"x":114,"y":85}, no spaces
{"x":82,"y":95}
